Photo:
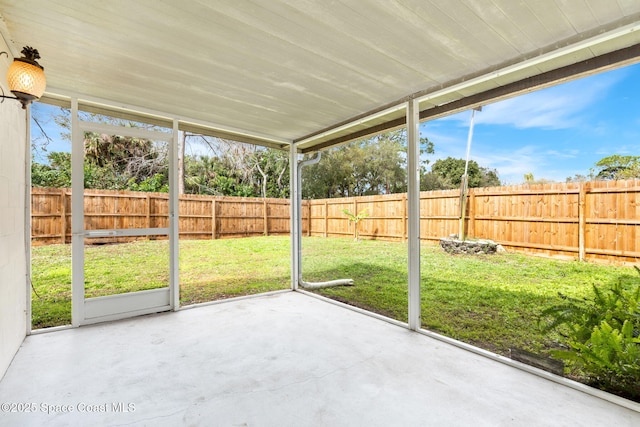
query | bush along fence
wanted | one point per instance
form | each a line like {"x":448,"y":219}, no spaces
{"x":596,"y":220}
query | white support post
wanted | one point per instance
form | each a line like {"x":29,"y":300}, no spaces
{"x":294,"y":188}
{"x":27,"y":215}
{"x":174,"y":216}
{"x":413,"y":197}
{"x":77,"y":217}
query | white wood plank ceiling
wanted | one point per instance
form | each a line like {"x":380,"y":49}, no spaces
{"x":276,"y":71}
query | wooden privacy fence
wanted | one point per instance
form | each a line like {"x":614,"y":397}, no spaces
{"x":595,"y":220}
{"x":201,"y":217}
{"x":598,"y":220}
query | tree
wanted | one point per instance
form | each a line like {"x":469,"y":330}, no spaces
{"x":331,"y":177}
{"x":528,"y":178}
{"x":384,"y":168}
{"x":131,"y":160}
{"x":489,"y":178}
{"x":450,"y":172}
{"x":40,"y":140}
{"x":273,"y":167}
{"x":57,"y":173}
{"x":234,"y":160}
{"x":375,"y":165}
{"x":211,"y":175}
{"x":356,"y":219}
{"x":110,"y":161}
{"x":580,"y":178}
{"x":618,"y":167}
{"x":118,"y":162}
{"x":430,"y":181}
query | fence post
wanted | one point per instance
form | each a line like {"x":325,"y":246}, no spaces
{"x":148,"y":211}
{"x":115,"y":211}
{"x":213,"y":219}
{"x":472,"y":212}
{"x":582,"y":219}
{"x":308,"y":204}
{"x":63,"y":216}
{"x":266,"y":220}
{"x":326,"y":218}
{"x":404,"y":217}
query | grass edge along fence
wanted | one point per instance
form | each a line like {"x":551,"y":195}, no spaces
{"x":597,"y":220}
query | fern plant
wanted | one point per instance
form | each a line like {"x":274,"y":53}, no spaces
{"x":602,"y":336}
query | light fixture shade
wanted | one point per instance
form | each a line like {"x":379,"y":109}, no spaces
{"x":26,"y":77}
{"x":26,"y":80}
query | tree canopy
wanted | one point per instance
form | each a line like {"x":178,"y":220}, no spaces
{"x":447,"y":174}
{"x":138,"y":164}
{"x":376,"y":165}
{"x":238,"y":170}
{"x":617,"y":167}
{"x":610,"y":168}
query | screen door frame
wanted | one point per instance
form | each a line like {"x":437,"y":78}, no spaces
{"x":118,"y":306}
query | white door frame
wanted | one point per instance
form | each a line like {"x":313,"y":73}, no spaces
{"x":118,"y":306}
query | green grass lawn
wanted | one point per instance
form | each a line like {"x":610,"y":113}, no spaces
{"x":490,"y":301}
{"x":209,"y":270}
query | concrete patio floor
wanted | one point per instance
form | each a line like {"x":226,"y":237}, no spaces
{"x":277,"y":360}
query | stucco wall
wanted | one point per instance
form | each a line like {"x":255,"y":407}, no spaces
{"x":13,"y":267}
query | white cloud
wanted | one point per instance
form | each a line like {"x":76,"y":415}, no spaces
{"x":569,"y":154}
{"x":544,"y":164}
{"x":625,"y":150}
{"x":512,"y":163}
{"x":558,"y":107}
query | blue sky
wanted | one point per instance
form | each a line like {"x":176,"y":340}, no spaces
{"x":554,"y":133}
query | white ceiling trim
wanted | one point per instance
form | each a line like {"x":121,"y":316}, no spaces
{"x":384,"y":114}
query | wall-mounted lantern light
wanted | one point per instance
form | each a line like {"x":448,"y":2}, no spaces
{"x":26,"y":77}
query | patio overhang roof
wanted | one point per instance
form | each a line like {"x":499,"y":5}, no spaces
{"x":312,"y":73}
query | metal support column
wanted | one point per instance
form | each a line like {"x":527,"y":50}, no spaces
{"x":294,"y":186}
{"x":77,"y":217}
{"x":413,"y":198}
{"x":174,"y":213}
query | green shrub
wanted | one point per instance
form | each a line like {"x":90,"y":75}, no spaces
{"x":602,"y":336}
